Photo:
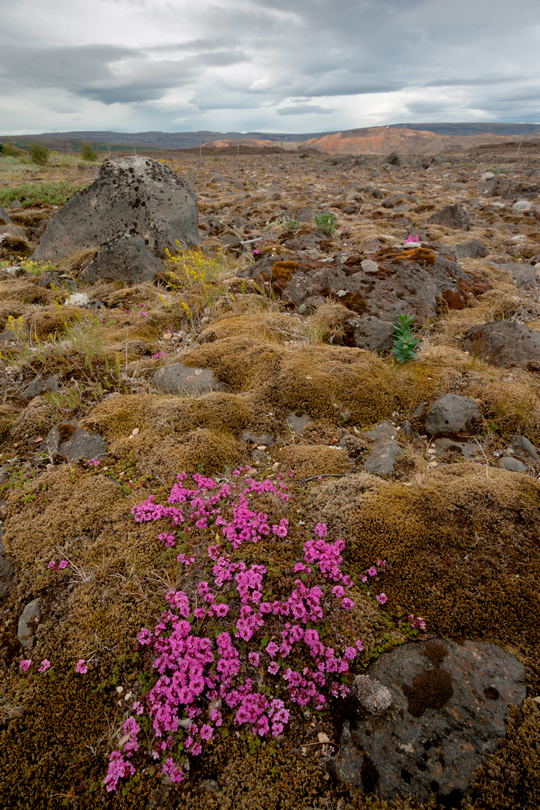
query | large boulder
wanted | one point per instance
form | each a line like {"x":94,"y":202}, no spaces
{"x":446,"y":711}
{"x":131,"y":195}
{"x":505,"y":343}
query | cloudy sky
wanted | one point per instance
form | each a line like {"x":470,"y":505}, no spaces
{"x":268,"y":65}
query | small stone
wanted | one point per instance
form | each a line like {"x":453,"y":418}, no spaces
{"x":298,"y":421}
{"x":522,"y":206}
{"x":28,"y":620}
{"x":372,"y":695}
{"x":451,"y":413}
{"x":265,"y":439}
{"x":383,"y":457}
{"x":322,"y":737}
{"x":39,"y":385}
{"x":78,"y":299}
{"x":369,"y":266}
{"x":384,"y":430}
{"x":177,"y":378}
{"x":512,"y":464}
{"x":523,"y":445}
{"x":72,"y":442}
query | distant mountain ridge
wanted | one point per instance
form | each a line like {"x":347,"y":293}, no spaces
{"x":408,"y":138}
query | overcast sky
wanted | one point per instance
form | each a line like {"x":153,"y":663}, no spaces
{"x":269,"y":65}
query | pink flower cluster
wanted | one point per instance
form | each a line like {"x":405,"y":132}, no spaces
{"x":200,"y":675}
{"x":61,"y":564}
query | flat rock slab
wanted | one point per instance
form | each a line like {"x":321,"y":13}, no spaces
{"x":177,"y":378}
{"x":133,"y":195}
{"x":449,"y":707}
{"x":504,"y":343}
{"x":72,"y":442}
{"x":298,"y":421}
{"x":41,"y":384}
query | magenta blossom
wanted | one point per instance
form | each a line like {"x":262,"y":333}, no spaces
{"x":25,"y":665}
{"x":81,"y":667}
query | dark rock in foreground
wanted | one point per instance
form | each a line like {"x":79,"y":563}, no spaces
{"x":448,"y":711}
{"x":131,"y":195}
{"x":451,"y":413}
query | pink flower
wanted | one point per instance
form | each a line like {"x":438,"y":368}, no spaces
{"x":206,"y":732}
{"x":81,"y":667}
{"x":143,"y":314}
{"x":273,"y":668}
{"x":45,"y":665}
{"x":347,"y":604}
{"x":51,"y":565}
{"x":372,"y":571}
{"x":254,"y":659}
{"x":381,"y":598}
{"x":25,"y":665}
{"x":93,"y":462}
{"x":63,"y":564}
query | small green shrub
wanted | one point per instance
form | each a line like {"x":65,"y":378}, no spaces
{"x":39,"y":153}
{"x":88,"y":152}
{"x":10,"y":150}
{"x":405,"y":343}
{"x":326,"y":222}
{"x":37,"y":193}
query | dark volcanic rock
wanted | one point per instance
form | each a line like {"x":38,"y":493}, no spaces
{"x":416,"y":281}
{"x":4,"y":216}
{"x":133,"y":195}
{"x":125,"y":259}
{"x":372,"y":333}
{"x":475,"y":249}
{"x":72,"y":442}
{"x":383,"y":457}
{"x":451,"y":413}
{"x":448,"y":711}
{"x":504,"y":343}
{"x":453,"y":216}
{"x":7,"y":571}
{"x":177,"y":378}
{"x":40,"y":384}
{"x":28,"y":620}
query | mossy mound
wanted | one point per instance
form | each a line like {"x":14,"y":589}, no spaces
{"x":24,"y":292}
{"x":461,"y":543}
{"x":307,"y":460}
{"x":44,"y":322}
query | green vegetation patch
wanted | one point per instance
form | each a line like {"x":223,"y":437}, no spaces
{"x":31,"y":194}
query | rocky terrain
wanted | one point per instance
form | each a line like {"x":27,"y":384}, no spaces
{"x":340,"y":600}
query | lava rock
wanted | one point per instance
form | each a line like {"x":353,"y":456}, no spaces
{"x":7,"y":571}
{"x":4,"y":217}
{"x":372,"y":333}
{"x":177,"y":378}
{"x":383,"y":457}
{"x":504,"y":343}
{"x":72,"y":442}
{"x":522,"y":445}
{"x":512,"y":464}
{"x":125,"y":259}
{"x":452,"y":216}
{"x":134,"y":195}
{"x":28,"y":620}
{"x":451,"y":413}
{"x":298,"y":421}
{"x":475,"y":249}
{"x":449,"y":707}
{"x":39,"y":385}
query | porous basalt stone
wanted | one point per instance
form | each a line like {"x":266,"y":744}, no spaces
{"x":450,"y":704}
{"x":72,"y":442}
{"x":133,"y":195}
{"x":451,"y":413}
{"x":505,"y":343}
{"x":452,"y":216}
{"x":177,"y":378}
